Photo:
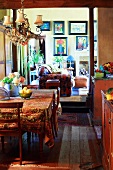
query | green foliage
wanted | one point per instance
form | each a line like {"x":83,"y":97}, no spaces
{"x":7,"y":80}
{"x":110,"y":90}
{"x":58,"y":59}
{"x":34,"y":58}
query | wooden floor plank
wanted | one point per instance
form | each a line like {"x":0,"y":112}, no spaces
{"x":65,"y":147}
{"x":76,"y":147}
{"x":85,"y":156}
{"x":95,"y":148}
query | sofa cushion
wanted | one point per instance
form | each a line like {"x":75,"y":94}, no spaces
{"x":44,"y":69}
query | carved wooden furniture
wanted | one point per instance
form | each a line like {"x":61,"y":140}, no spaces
{"x":107,"y":132}
{"x":54,"y":111}
{"x":99,"y":84}
{"x":10,"y":123}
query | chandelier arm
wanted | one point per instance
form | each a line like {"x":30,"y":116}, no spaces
{"x":22,"y":33}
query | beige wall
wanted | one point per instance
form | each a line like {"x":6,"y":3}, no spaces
{"x":105,"y":35}
{"x":65,"y":14}
{"x":60,"y":14}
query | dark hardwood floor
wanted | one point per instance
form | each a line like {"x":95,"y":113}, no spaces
{"x":76,"y":148}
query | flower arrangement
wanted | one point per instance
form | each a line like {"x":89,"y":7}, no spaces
{"x":99,"y":73}
{"x":12,"y":78}
{"x":108,"y":67}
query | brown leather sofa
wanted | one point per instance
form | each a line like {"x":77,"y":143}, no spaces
{"x":65,"y":82}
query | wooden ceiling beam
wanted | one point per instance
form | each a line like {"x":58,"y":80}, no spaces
{"x":6,"y":4}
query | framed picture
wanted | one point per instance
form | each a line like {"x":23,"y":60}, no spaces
{"x":45,"y":26}
{"x":58,"y":27}
{"x":81,"y":42}
{"x":95,"y":45}
{"x":60,"y":46}
{"x":95,"y":30}
{"x":78,"y":27}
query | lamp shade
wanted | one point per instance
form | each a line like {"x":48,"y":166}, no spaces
{"x":7,"y":20}
{"x":70,"y":58}
{"x":20,"y":18}
{"x":39,"y":21}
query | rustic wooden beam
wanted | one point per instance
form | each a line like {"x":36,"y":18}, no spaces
{"x":14,"y":48}
{"x":6,"y":4}
{"x":91,"y":40}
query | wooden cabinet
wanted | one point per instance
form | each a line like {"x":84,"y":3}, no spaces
{"x":97,"y":86}
{"x":107,"y":133}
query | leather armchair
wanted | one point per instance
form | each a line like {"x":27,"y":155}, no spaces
{"x":65,"y":82}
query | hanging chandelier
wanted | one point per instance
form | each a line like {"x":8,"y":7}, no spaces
{"x":22,"y":33}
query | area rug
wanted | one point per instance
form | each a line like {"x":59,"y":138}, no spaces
{"x":75,"y":119}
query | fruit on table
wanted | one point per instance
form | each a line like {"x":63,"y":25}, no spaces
{"x":25,"y":92}
{"x":109,"y":94}
{"x":109,"y":97}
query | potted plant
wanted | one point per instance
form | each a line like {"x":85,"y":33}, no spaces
{"x":59,"y":60}
{"x":35,"y":58}
{"x":12,"y":82}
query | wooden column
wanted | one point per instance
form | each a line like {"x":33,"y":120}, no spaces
{"x":91,"y":40}
{"x":14,"y":47}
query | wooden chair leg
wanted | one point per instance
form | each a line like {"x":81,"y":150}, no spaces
{"x":54,"y":123}
{"x":20,"y":147}
{"x":28,"y":135}
{"x":41,"y":145}
{"x":52,"y":126}
{"x":2,"y":141}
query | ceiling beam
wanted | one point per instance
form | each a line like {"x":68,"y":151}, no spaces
{"x":6,"y":4}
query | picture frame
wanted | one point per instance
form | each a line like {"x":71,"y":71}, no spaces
{"x":58,"y":27}
{"x":78,"y":27}
{"x":95,"y":30}
{"x":81,"y":43}
{"x":45,"y":26}
{"x":95,"y":45}
{"x":60,"y":46}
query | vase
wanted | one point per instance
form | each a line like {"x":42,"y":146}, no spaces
{"x":12,"y":89}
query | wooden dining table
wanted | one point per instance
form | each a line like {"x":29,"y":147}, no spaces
{"x":36,"y":115}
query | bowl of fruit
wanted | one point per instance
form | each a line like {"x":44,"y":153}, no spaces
{"x":25,"y":93}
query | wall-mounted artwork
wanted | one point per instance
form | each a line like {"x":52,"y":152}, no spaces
{"x":81,"y":42}
{"x":60,"y":46}
{"x":78,"y":27}
{"x":58,"y":27}
{"x":95,"y":30}
{"x":45,"y":26}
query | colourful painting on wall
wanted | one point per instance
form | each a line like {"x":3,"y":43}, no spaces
{"x":78,"y":27}
{"x":58,"y":27}
{"x":60,"y":46}
{"x":81,"y":42}
{"x":45,"y":26}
